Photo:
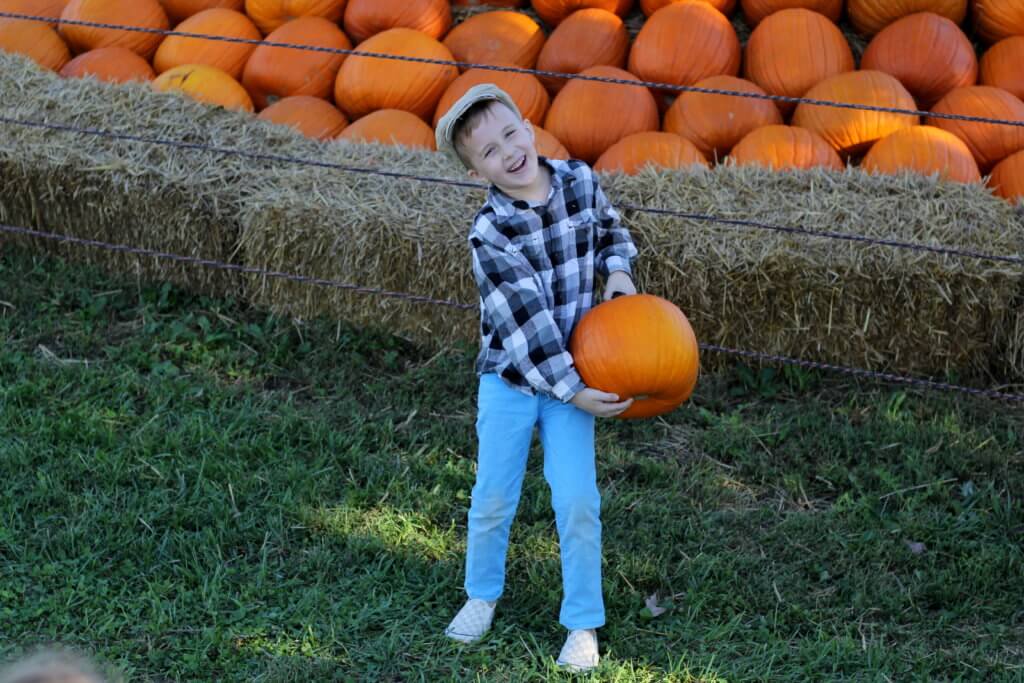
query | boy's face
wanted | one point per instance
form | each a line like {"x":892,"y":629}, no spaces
{"x":500,"y":150}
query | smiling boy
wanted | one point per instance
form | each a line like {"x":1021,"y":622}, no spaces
{"x":545,"y":231}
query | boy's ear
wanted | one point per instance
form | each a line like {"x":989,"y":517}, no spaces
{"x":472,"y":173}
{"x":529,"y":127}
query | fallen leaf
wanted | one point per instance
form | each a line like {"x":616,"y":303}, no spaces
{"x":651,"y":603}
{"x":915,"y":547}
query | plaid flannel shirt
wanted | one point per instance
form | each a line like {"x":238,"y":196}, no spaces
{"x":534,"y":265}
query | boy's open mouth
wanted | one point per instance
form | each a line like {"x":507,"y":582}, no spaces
{"x":518,"y":166}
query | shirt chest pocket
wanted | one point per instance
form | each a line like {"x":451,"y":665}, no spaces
{"x":580,"y":234}
{"x":531,"y":246}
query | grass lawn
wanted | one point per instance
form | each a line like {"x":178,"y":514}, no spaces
{"x":195,"y":490}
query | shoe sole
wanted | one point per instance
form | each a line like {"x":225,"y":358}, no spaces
{"x":462,"y":638}
{"x":574,"y":668}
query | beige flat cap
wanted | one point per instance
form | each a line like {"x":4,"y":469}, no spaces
{"x":446,"y":126}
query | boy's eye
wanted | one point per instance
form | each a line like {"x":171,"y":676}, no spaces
{"x":510,"y":133}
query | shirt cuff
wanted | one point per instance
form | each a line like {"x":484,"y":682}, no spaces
{"x":616,"y":262}
{"x":569,"y":386}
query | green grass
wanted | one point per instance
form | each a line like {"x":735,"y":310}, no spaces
{"x":196,"y":490}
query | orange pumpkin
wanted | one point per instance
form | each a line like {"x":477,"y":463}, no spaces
{"x":365,"y":84}
{"x":497,"y":38}
{"x":754,"y":11}
{"x":231,"y":57}
{"x":998,"y":19}
{"x":553,"y":12}
{"x":524,"y":89}
{"x":588,"y":37}
{"x":1007,"y":178}
{"x":141,"y":13}
{"x":990,"y":143}
{"x":391,"y":127}
{"x":1001,"y":66}
{"x":793,"y":50}
{"x":206,"y":84}
{"x":548,"y":145}
{"x":180,"y":10}
{"x":37,"y":41}
{"x":662,"y":150}
{"x":928,"y":53}
{"x":489,"y":3}
{"x":270,"y":15}
{"x":683,"y":43}
{"x":871,"y":16}
{"x":924,"y":150}
{"x":785,"y":147}
{"x":851,"y":131}
{"x":364,"y":18}
{"x":275,"y":72}
{"x":36,"y":8}
{"x":311,"y":116}
{"x":714,"y":123}
{"x":111,"y":64}
{"x":588,"y":117}
{"x":649,"y":7}
{"x":638,"y":346}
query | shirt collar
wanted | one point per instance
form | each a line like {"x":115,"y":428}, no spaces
{"x":506,"y":206}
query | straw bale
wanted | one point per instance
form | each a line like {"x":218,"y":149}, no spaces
{"x":1009,"y":357}
{"x":834,"y":301}
{"x":394,"y":234}
{"x":125,"y":192}
{"x":837,"y":301}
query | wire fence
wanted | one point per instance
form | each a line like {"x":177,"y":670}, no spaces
{"x":760,"y":356}
{"x":654,"y":85}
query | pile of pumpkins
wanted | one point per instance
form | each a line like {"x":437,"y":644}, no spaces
{"x":920,"y":57}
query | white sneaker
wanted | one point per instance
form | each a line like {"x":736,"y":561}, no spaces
{"x":580,"y":651}
{"x":472,"y":621}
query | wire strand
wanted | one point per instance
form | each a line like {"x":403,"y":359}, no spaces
{"x":419,"y":299}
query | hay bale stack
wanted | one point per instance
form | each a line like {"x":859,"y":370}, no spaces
{"x":836,"y":301}
{"x":383,"y":232}
{"x":1008,"y":362}
{"x":122,"y":191}
{"x":849,"y":303}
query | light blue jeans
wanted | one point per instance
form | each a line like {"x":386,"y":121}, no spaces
{"x":505,"y":423}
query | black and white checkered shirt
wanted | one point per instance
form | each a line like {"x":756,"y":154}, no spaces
{"x":534,"y":265}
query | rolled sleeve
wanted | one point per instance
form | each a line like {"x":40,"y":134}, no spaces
{"x":615,"y":249}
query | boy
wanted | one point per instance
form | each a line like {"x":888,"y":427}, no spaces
{"x":544,"y":230}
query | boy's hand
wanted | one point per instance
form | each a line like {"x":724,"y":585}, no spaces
{"x":618,"y":282}
{"x":600,"y":403}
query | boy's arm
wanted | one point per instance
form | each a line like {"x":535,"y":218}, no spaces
{"x":516,"y":307}
{"x":614,"y":247}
